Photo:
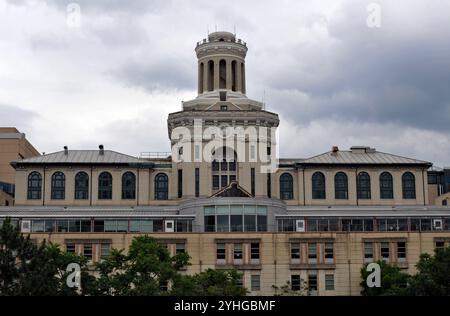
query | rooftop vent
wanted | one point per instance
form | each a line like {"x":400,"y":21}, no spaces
{"x":335,"y":149}
{"x":102,"y":150}
{"x":66,"y":150}
{"x":362,"y":149}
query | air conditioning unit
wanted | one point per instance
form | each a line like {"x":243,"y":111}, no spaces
{"x":300,"y":225}
{"x":169,"y":226}
{"x":437,"y":224}
{"x":25,"y":226}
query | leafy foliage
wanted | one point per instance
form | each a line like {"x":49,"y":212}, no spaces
{"x":27,"y":269}
{"x":393,"y":281}
{"x":209,"y":283}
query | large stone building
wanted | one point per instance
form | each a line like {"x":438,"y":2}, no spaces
{"x":13,"y":146}
{"x":225,"y":197}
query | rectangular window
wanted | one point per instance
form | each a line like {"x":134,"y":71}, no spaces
{"x":312,"y":252}
{"x":384,"y":250}
{"x":295,"y":282}
{"x":70,"y":248}
{"x":216,"y":183}
{"x":85,"y":226}
{"x":223,"y":181}
{"x":329,"y":252}
{"x":312,"y":283}
{"x":401,"y":251}
{"x":236,"y":218}
{"x":105,"y":250}
{"x":252,"y":180}
{"x":197,"y":182}
{"x":238,"y":251}
{"x":440,"y":244}
{"x":222,"y":223}
{"x":255,"y":282}
{"x":329,"y":282}
{"x":368,"y":251}
{"x":87,"y":251}
{"x":295,"y":252}
{"x":62,"y":226}
{"x":269,"y":185}
{"x":254,"y":251}
{"x":74,"y":226}
{"x":37,"y":226}
{"x":180,"y":248}
{"x":180,"y":183}
{"x":221,"y":251}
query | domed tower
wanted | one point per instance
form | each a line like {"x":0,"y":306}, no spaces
{"x":221,"y":64}
{"x":221,"y":73}
{"x":221,"y":126}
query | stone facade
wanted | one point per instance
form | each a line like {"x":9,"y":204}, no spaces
{"x":315,"y":219}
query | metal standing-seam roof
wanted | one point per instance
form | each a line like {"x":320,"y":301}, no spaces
{"x":362,"y":155}
{"x":81,"y":156}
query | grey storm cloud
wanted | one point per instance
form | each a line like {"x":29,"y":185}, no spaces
{"x":390,"y":74}
{"x":317,"y":61}
{"x":166,"y":75}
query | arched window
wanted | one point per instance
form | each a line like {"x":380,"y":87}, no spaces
{"x":34,"y":186}
{"x":161,"y":187}
{"x":233,"y":75}
{"x":363,"y":186}
{"x":409,"y":185}
{"x":128,"y":186}
{"x":243,"y":78}
{"x":81,"y":186}
{"x":58,"y":186}
{"x":222,"y":74}
{"x":318,"y":186}
{"x":286,"y":187}
{"x":201,"y":71}
{"x":341,"y":186}
{"x":386,"y":186}
{"x":105,"y":183}
{"x":210,"y":75}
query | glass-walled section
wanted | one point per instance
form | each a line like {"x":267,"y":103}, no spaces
{"x":110,"y":225}
{"x":235,"y":218}
{"x":363,"y":224}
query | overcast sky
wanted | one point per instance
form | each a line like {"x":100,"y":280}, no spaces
{"x":332,"y":79}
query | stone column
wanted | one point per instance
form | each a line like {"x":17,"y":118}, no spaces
{"x":238,"y":77}
{"x":229,"y":77}
{"x":216,"y":74}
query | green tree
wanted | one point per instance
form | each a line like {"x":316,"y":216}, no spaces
{"x":31,"y":270}
{"x":145,"y":270}
{"x":209,"y":283}
{"x":393,"y":281}
{"x":286,"y":289}
{"x":433,"y":276}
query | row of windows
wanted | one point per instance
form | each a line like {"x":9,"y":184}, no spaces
{"x":110,"y":226}
{"x":97,"y":250}
{"x":235,"y":218}
{"x":237,"y":252}
{"x":363,"y":224}
{"x":363,"y":186}
{"x":311,"y":284}
{"x":391,"y":251}
{"x":105,"y":186}
{"x":312,"y":252}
